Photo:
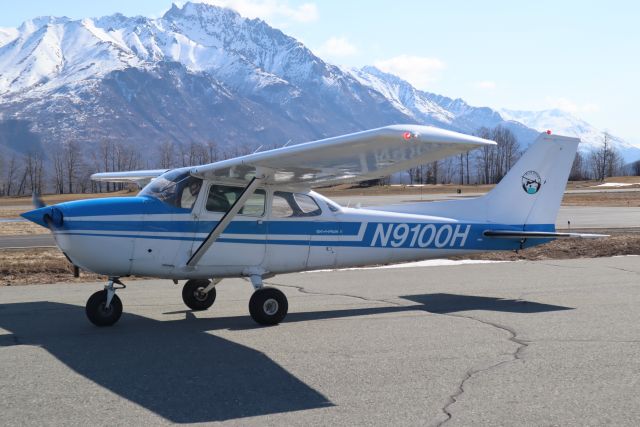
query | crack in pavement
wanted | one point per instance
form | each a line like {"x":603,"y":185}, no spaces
{"x":624,"y":269}
{"x":301,"y":289}
{"x":453,"y":398}
{"x":571,"y":267}
{"x":516,"y":355}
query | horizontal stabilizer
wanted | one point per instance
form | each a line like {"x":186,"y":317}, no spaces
{"x":511,"y":234}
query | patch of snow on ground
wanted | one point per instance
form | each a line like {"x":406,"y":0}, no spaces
{"x":426,"y":263}
{"x":612,"y":184}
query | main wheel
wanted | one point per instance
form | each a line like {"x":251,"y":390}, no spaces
{"x":193,"y":296}
{"x":97,"y":312}
{"x":268,"y":306}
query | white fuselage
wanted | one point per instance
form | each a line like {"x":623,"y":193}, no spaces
{"x":137,"y":236}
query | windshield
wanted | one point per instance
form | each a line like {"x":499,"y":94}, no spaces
{"x":176,"y":188}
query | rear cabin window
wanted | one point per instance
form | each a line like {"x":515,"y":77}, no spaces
{"x":222,"y":197}
{"x":292,"y":205}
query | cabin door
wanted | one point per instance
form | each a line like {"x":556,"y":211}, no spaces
{"x":243,"y":242}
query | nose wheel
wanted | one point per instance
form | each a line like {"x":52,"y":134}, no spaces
{"x":104,"y":308}
{"x":199,"y":294}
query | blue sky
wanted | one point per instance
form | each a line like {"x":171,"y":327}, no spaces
{"x":581,"y":56}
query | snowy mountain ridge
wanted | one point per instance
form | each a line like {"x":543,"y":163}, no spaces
{"x":202,"y":73}
{"x":564,"y":123}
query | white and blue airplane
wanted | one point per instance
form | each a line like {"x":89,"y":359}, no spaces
{"x":256,"y":216}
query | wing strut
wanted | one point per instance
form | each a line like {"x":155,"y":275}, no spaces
{"x":224,"y":221}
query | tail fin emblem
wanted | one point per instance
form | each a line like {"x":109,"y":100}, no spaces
{"x":531,"y":182}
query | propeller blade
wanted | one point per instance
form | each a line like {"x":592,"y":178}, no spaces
{"x":37,"y":200}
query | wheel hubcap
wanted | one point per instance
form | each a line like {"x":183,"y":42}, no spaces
{"x":199,"y":295}
{"x":270,"y":307}
{"x":104,"y":311}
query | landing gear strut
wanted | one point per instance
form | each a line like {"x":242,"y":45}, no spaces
{"x":267,"y":306}
{"x":104,"y":308}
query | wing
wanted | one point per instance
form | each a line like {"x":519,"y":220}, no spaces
{"x":139,"y":177}
{"x":349,"y":158}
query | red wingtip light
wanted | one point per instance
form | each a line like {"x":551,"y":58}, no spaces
{"x":407,"y":136}
{"x":548,"y":132}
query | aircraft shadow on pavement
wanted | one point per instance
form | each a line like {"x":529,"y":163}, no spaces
{"x":433,"y":303}
{"x":178,"y":371}
{"x":171,"y":368}
{"x":451,"y":303}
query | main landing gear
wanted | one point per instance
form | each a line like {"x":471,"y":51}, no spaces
{"x":104,"y":308}
{"x":267,"y":306}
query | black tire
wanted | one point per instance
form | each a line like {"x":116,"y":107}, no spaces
{"x":268,"y":306}
{"x":194,"y":298}
{"x":97,"y":313}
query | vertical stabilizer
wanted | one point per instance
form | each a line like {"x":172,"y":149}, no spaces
{"x":529,"y":195}
{"x":532,"y":190}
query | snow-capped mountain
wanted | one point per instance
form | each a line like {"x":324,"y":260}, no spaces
{"x":564,"y":123}
{"x":199,"y":73}
{"x":429,"y":108}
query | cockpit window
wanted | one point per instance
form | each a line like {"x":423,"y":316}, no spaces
{"x":176,"y":188}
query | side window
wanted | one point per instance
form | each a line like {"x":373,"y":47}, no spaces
{"x":281,"y":208}
{"x":222,"y":197}
{"x":289,"y":205}
{"x":254,"y":206}
{"x":308,"y":206}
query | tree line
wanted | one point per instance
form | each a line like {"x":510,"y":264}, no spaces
{"x":489,"y":164}
{"x":66,"y":167}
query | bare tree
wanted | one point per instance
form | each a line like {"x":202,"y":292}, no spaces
{"x":72,"y":159}
{"x":167,"y":155}
{"x":605,"y":161}
{"x":578,"y":168}
{"x":493,"y":162}
{"x":12,"y":172}
{"x":34,"y":171}
{"x":58,"y":163}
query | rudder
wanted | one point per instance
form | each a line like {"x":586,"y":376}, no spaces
{"x":532,"y":190}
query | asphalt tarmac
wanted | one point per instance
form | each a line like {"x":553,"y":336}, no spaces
{"x":523,"y":343}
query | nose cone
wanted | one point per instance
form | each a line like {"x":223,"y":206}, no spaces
{"x":45,"y":217}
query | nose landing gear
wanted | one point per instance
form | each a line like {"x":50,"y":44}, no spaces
{"x":199,"y":294}
{"x":104,"y":308}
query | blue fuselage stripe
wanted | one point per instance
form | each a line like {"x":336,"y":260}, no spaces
{"x":376,"y":234}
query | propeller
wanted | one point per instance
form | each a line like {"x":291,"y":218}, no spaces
{"x":37,"y":200}
{"x":53,"y":217}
